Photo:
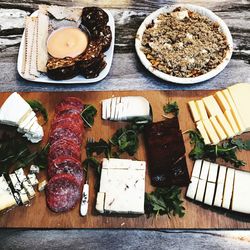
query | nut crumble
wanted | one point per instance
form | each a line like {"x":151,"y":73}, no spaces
{"x":184,"y":43}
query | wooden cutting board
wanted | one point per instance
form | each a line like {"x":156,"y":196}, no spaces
{"x":37,"y":215}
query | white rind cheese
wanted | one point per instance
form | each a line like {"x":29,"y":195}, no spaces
{"x":126,"y":108}
{"x":122,"y":187}
{"x":228,"y":190}
{"x":213,"y":170}
{"x":200,"y":190}
{"x":209,"y":196}
{"x":197,"y":168}
{"x":14,"y":109}
{"x":220,"y":186}
{"x":192,"y":187}
{"x":204,"y":170}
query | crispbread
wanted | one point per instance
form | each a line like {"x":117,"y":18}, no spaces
{"x":42,"y":53}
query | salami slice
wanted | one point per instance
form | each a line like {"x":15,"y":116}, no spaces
{"x":74,"y":101}
{"x":64,"y":147}
{"x":68,"y":165}
{"x":62,"y":193}
{"x":66,"y":132}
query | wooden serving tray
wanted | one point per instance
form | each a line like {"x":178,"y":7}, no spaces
{"x":37,"y":215}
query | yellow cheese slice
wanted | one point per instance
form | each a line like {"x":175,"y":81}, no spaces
{"x":221,"y":100}
{"x":240,"y":94}
{"x":225,"y":125}
{"x":228,"y":114}
{"x":201,"y":109}
{"x":211,"y":131}
{"x":211,"y":105}
{"x":234,"y":111}
{"x":194,"y":111}
{"x":219,"y":130}
{"x":201,"y":129}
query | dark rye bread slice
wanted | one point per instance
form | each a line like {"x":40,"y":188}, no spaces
{"x":166,"y":153}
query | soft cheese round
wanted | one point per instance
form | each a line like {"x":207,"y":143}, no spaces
{"x":67,"y":42}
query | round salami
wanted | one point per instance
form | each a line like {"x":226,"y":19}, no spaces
{"x":68,"y":165}
{"x":74,"y":101}
{"x":64,"y":147}
{"x":62,"y":193}
{"x":66,"y":132}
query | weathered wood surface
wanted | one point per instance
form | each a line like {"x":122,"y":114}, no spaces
{"x":126,"y":72}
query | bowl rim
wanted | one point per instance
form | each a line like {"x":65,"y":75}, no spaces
{"x":183,"y":80}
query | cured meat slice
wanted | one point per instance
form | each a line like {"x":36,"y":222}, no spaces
{"x":74,"y":101}
{"x":62,"y":192}
{"x":66,"y":132}
{"x":94,"y":18}
{"x":65,"y":107}
{"x":64,"y":147}
{"x":68,"y":165}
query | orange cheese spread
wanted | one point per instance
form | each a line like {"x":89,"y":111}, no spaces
{"x":67,"y":42}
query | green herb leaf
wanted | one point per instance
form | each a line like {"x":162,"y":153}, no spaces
{"x":226,"y":150}
{"x":38,"y":107}
{"x":88,"y":115}
{"x":98,"y":148}
{"x":171,"y":108}
{"x":164,"y":201}
{"x":126,"y":139}
{"x":41,"y":159}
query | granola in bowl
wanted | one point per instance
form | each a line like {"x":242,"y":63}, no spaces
{"x":184,"y":43}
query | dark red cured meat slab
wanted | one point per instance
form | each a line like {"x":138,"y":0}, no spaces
{"x":64,"y":148}
{"x":68,"y":165}
{"x":61,"y":133}
{"x":62,"y":193}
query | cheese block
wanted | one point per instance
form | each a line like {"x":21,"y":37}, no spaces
{"x":15,"y":182}
{"x":204,"y":170}
{"x":209,"y":195}
{"x":122,"y":186}
{"x":203,"y":132}
{"x":200,"y":190}
{"x":24,"y":197}
{"x":211,"y":106}
{"x":228,"y":189}
{"x":32,"y":179}
{"x":7,"y":199}
{"x":34,"y":169}
{"x":194,"y":111}
{"x":192,"y":187}
{"x":240,"y":94}
{"x":213,"y":170}
{"x":225,"y":125}
{"x":201,"y":109}
{"x":228,"y":114}
{"x":211,"y":131}
{"x":29,"y":189}
{"x":241,"y":197}
{"x":220,"y":132}
{"x":127,"y":108}
{"x":29,"y":117}
{"x":20,"y":175}
{"x":220,"y":186}
{"x":197,"y":168}
{"x":221,"y":100}
{"x":13,"y":110}
{"x":235,"y":113}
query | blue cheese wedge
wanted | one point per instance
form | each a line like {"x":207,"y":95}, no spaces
{"x":7,"y":199}
{"x":32,"y":179}
{"x":127,"y":108}
{"x":122,"y":187}
{"x":34,"y":169}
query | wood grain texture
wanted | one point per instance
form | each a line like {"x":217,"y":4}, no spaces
{"x":39,"y":216}
{"x":127,"y":72}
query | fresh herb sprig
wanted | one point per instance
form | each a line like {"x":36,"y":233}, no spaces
{"x":171,"y":108}
{"x":88,"y":115}
{"x":39,"y":108}
{"x":226,"y":150}
{"x":164,"y":201}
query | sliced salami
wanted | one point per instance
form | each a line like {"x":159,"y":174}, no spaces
{"x":74,"y":101}
{"x":64,"y":147}
{"x":66,"y":132}
{"x":68,"y":165}
{"x":62,"y":192}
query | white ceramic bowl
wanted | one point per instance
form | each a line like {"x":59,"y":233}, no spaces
{"x":182,"y":80}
